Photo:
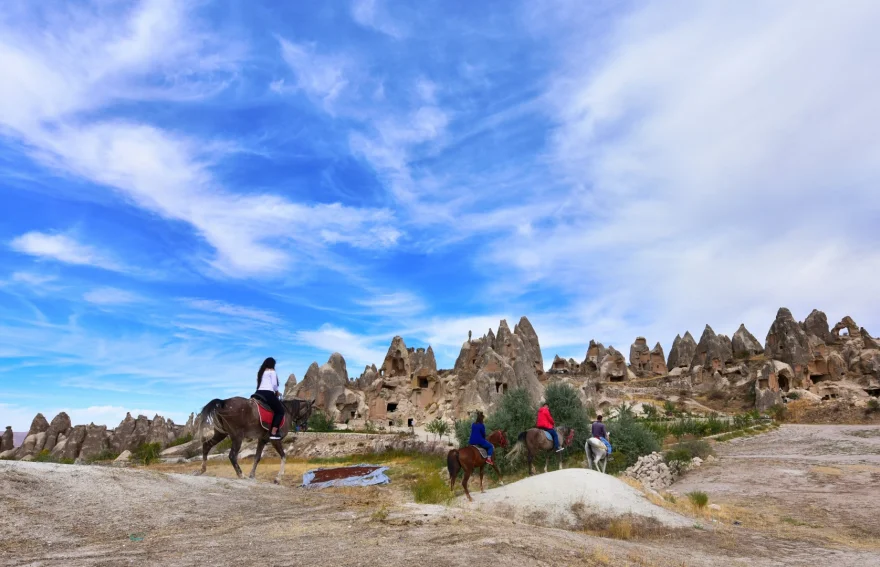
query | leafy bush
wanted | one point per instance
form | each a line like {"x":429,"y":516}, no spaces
{"x":630,"y":440}
{"x":793,"y":395}
{"x":669,"y":408}
{"x":223,"y":446}
{"x":369,"y":427}
{"x":146,"y":453}
{"x":684,"y":452}
{"x":779,"y":412}
{"x":44,"y":457}
{"x":650,"y":411}
{"x":182,"y":440}
{"x":462,"y":431}
{"x":438,"y":427}
{"x":105,"y":455}
{"x":698,"y":498}
{"x":874,"y":405}
{"x":567,"y":409}
{"x":321,"y":422}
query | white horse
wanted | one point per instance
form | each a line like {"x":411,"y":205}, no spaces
{"x":596,"y":453}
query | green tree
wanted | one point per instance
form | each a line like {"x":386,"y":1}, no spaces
{"x":321,"y":422}
{"x":567,"y":409}
{"x":630,"y":440}
{"x":438,"y":427}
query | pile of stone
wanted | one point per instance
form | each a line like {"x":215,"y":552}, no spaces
{"x":655,"y":473}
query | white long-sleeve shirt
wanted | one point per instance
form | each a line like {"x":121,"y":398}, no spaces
{"x":269,"y":381}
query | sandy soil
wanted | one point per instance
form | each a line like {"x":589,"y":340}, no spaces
{"x":88,"y":515}
{"x":821,"y":478}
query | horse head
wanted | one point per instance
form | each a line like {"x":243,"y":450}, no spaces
{"x":502,"y":439}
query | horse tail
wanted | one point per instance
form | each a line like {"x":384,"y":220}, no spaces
{"x":209,"y":414}
{"x":452,"y":464}
{"x":517,"y":447}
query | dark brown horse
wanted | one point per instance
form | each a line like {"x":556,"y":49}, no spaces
{"x":239,"y":419}
{"x":535,"y":441}
{"x":468,"y":458}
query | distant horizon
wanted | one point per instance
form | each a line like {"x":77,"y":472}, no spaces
{"x":191,"y":186}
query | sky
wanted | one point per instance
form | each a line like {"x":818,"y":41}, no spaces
{"x":188,"y":187}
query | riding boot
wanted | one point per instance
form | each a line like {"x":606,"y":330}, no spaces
{"x":489,"y":461}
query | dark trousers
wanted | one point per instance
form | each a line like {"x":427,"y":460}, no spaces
{"x":271,"y":400}
{"x":554,"y":435}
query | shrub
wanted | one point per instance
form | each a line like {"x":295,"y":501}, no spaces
{"x":431,"y":489}
{"x":105,"y":455}
{"x":321,"y":422}
{"x":43,"y":457}
{"x":567,"y":409}
{"x":684,"y":452}
{"x":779,"y":412}
{"x":698,"y":498}
{"x":462,"y":431}
{"x":669,"y":408}
{"x":438,"y":427}
{"x":515,"y":413}
{"x":223,"y":446}
{"x":630,"y":440}
{"x":183,"y":440}
{"x":369,"y":427}
{"x":794,"y":395}
{"x":874,"y":405}
{"x":146,"y":453}
{"x":650,"y":411}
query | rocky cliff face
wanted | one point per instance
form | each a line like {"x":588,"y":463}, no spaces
{"x":328,"y":385}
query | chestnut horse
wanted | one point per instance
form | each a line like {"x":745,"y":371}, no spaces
{"x":468,"y":458}
{"x":535,"y":441}
{"x":238,"y":419}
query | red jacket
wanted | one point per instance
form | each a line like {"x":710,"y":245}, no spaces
{"x":545,"y":420}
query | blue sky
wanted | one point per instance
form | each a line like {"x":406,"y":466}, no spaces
{"x":189,"y":187}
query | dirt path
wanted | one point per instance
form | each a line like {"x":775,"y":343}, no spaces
{"x":820,"y":480}
{"x":87,"y":515}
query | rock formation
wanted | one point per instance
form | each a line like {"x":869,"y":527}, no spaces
{"x":816,"y":324}
{"x":59,"y":426}
{"x":658,"y":360}
{"x":713,"y":352}
{"x":613,"y":367}
{"x":682,"y":352}
{"x":329,"y":387}
{"x":289,"y":387}
{"x":745,"y":344}
{"x":640,"y":356}
{"x":7,"y":441}
{"x":787,"y":342}
{"x":36,"y":437}
{"x":851,"y":328}
{"x":95,"y":441}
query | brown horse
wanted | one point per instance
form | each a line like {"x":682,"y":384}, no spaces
{"x":535,"y":441}
{"x":239,"y":419}
{"x":468,"y":458}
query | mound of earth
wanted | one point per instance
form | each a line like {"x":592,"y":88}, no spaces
{"x":563,"y":497}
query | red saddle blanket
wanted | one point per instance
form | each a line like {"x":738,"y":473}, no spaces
{"x":266,"y":415}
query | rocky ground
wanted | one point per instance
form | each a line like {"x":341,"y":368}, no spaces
{"x":802,"y":495}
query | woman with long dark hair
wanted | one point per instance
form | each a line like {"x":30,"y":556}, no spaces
{"x":267,"y":392}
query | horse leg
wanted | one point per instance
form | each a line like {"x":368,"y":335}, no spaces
{"x":464,"y":480}
{"x":233,"y":455}
{"x":207,"y":446}
{"x":546,"y":462}
{"x":498,"y":472}
{"x":483,"y":466}
{"x":279,"y":448}
{"x":604,"y":462}
{"x":259,"y":454}
{"x":531,"y":466}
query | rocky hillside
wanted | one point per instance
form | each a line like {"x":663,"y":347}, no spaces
{"x":807,"y":360}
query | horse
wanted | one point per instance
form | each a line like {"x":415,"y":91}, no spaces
{"x":468,"y":458}
{"x":535,"y":440}
{"x":596,"y":451}
{"x":239,"y":419}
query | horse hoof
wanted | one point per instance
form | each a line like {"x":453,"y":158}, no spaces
{"x":276,"y":481}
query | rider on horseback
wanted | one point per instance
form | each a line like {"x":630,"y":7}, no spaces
{"x":600,"y":433}
{"x":545,"y":422}
{"x":267,"y":392}
{"x":478,"y":438}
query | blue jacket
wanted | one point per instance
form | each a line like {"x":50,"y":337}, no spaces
{"x":478,"y":434}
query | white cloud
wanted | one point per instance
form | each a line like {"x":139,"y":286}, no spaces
{"x":721,"y":162}
{"x":234,"y":311}
{"x":20,"y":417}
{"x":320,"y":76}
{"x":33,"y":279}
{"x":358,"y":350}
{"x":371,"y":14}
{"x":397,"y":304}
{"x":111,"y":296}
{"x":62,"y":248}
{"x":52,"y":83}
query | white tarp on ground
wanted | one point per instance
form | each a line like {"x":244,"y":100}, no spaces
{"x":376,"y":476}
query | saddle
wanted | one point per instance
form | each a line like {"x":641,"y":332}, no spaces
{"x":266,"y":414}
{"x":482,"y":451}
{"x":547,"y":435}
